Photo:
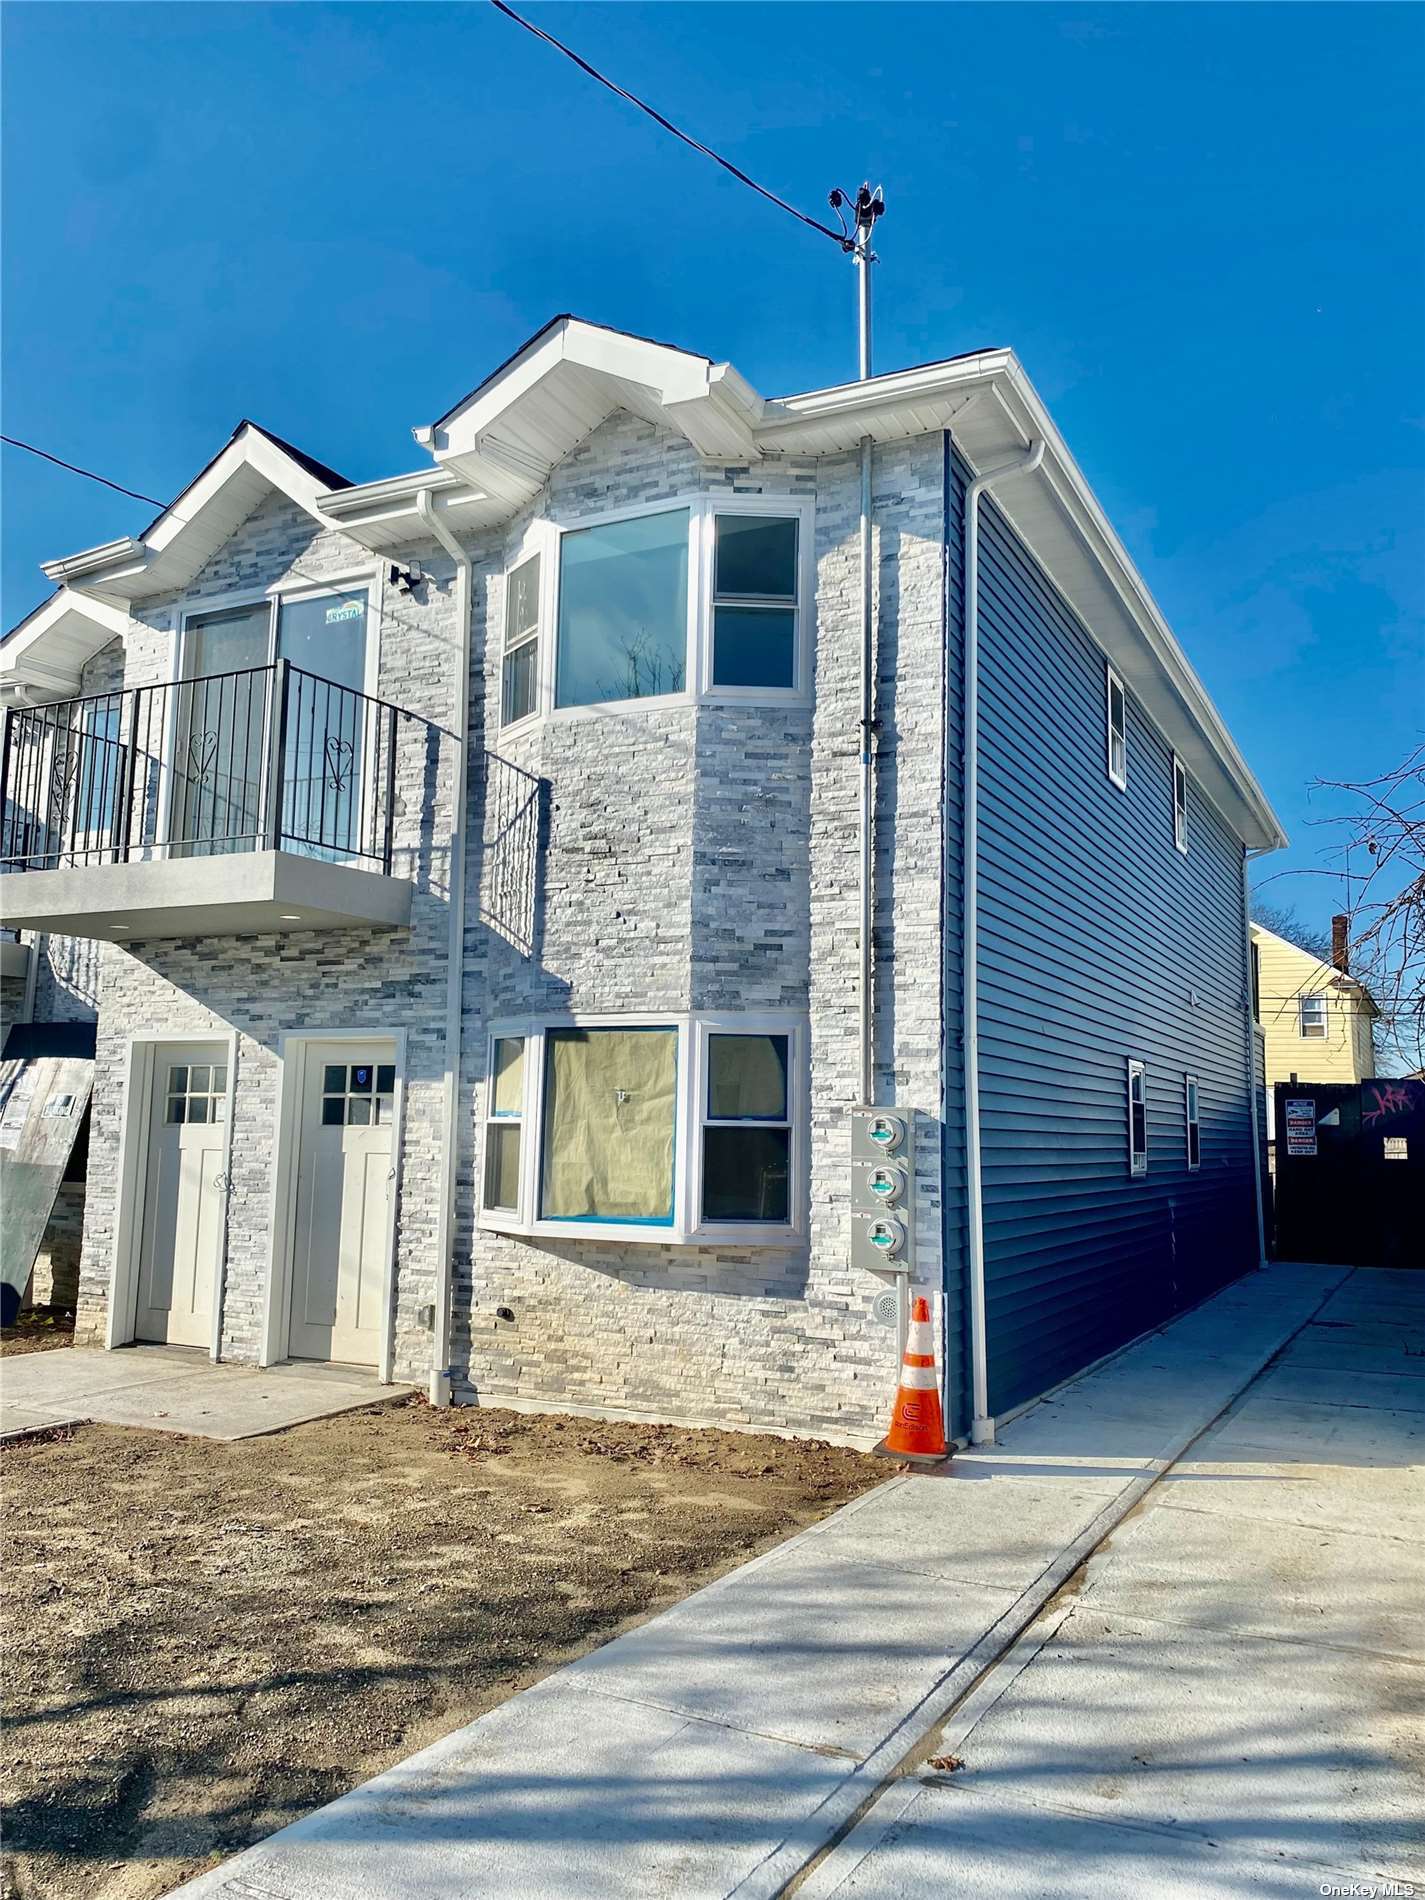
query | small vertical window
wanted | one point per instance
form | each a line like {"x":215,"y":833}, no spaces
{"x":1313,"y":1018}
{"x":1194,"y":1128}
{"x":504,"y":1123}
{"x":1117,"y":732}
{"x":754,"y":640}
{"x":520,"y":675}
{"x":1180,"y":815}
{"x":747,"y":1130}
{"x":1137,"y":1119}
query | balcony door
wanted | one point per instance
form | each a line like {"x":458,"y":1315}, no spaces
{"x":225,"y":720}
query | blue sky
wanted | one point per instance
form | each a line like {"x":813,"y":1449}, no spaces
{"x":1199,"y":226}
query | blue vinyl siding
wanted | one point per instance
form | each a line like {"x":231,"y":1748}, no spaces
{"x":1095,"y":934}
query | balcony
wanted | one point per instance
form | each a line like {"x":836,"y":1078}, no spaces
{"x":252,"y":801}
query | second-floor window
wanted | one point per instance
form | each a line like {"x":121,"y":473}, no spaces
{"x":519,"y":681}
{"x":1180,"y":806}
{"x":692,"y":599}
{"x":1313,"y":1018}
{"x":623,"y":610}
{"x":1117,"y":716}
{"x":754,"y":630}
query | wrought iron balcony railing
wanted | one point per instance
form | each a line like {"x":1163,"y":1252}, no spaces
{"x":268,"y":758}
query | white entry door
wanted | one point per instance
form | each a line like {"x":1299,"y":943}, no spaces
{"x":182,"y":1231}
{"x":344,"y":1165}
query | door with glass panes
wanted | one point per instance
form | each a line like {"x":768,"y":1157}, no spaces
{"x":346,"y":1152}
{"x":181,"y":1223}
{"x":224,"y":722}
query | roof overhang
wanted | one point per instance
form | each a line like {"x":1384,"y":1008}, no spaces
{"x":44,"y":656}
{"x":176,"y":546}
{"x":995,"y":414}
{"x":384,"y":515}
{"x":506,"y":437}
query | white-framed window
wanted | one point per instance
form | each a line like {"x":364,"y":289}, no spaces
{"x":686,"y":1128}
{"x":1137,"y":1118}
{"x":1313,"y":1017}
{"x":519,"y":662}
{"x":1192,"y":1124}
{"x":504,"y":1123}
{"x":1180,"y":806}
{"x":1116,"y":716}
{"x":697,"y":597}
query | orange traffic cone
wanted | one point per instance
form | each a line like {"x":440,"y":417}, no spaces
{"x":917,"y":1427}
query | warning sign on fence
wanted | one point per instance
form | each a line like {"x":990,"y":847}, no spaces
{"x":1300,"y":1125}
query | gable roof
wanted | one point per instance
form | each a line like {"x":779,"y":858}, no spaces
{"x":1334,"y":979}
{"x":182,"y":537}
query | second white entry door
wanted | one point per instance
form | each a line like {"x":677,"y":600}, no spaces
{"x":344,"y":1164}
{"x":181,"y":1237}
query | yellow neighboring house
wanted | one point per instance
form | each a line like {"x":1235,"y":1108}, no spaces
{"x":1316,"y":1019}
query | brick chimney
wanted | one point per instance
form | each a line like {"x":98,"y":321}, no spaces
{"x":1340,"y":944}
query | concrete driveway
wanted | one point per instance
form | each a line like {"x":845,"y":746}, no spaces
{"x":1213,"y":1709}
{"x":1232,"y":1702}
{"x":174,"y":1389}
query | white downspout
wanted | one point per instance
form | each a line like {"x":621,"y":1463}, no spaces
{"x":982,"y":1426}
{"x":1247,"y":856}
{"x":455,"y":956}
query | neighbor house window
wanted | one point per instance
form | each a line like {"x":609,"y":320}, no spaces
{"x":1194,"y":1127}
{"x":754,"y":609}
{"x":504,"y":1123}
{"x":610,"y":1111}
{"x":1180,"y":805}
{"x":519,"y":683}
{"x":687,"y":1130}
{"x":623,"y":610}
{"x":1137,"y":1119}
{"x":747,"y":1130}
{"x":1313,"y":1018}
{"x":1117,"y":731}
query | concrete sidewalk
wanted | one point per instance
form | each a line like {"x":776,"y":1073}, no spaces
{"x":174,"y":1389}
{"x":1234,"y":1700}
{"x":718,"y":1748}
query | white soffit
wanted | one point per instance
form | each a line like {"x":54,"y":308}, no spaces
{"x":44,"y":655}
{"x":175,"y":547}
{"x":507,"y":436}
{"x":383,"y":515}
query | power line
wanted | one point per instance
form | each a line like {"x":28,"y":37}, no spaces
{"x":74,"y":469}
{"x":839,"y":238}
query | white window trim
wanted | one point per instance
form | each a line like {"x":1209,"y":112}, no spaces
{"x":545,"y":537}
{"x":1314,"y":997}
{"x":1137,"y":1163}
{"x":1191,"y":1088}
{"x":686,"y":1227}
{"x":1180,"y":810}
{"x":1110,"y":680}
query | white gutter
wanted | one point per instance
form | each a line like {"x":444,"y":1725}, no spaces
{"x":982,"y":1426}
{"x":445,"y":1233}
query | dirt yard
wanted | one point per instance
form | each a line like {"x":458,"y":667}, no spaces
{"x":204,"y":1641}
{"x":39,"y":1329}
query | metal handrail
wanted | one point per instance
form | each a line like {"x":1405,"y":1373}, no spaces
{"x":267,"y":757}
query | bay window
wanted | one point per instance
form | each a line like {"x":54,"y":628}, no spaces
{"x":684,"y":1129}
{"x":695,"y":598}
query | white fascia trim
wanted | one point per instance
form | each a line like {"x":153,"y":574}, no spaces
{"x":1063,"y":473}
{"x":709,"y":402}
{"x":395,"y":495}
{"x":882,"y":392}
{"x":115,"y":560}
{"x":34,"y":654}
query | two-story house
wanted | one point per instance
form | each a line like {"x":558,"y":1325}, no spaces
{"x":1318,"y":1022}
{"x":511,"y":875}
